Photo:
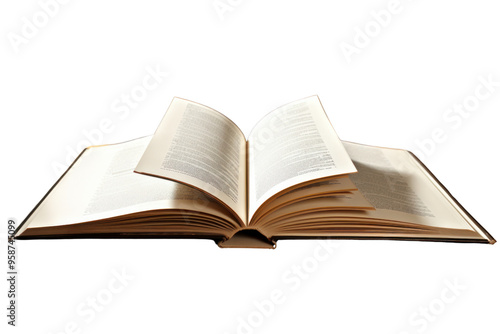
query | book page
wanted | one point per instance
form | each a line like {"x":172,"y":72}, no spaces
{"x":392,"y":181}
{"x":353,"y":200}
{"x":102,"y":184}
{"x":316,"y":189}
{"x":293,"y":144}
{"x":198,"y":146}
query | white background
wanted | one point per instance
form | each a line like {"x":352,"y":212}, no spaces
{"x":69,"y":75}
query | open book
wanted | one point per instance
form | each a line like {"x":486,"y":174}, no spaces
{"x":199,"y":177}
